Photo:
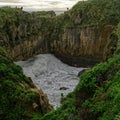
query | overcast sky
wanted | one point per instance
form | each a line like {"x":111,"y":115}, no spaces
{"x":35,"y":5}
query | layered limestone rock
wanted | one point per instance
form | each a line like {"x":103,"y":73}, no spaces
{"x":23,"y":34}
{"x":79,"y":35}
{"x":86,"y":32}
{"x":89,"y":42}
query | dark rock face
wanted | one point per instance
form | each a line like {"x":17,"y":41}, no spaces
{"x":63,"y":88}
{"x":24,"y":35}
{"x":83,"y":32}
{"x":81,"y":72}
{"x":89,"y":42}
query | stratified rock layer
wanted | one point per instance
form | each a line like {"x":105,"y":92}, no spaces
{"x":69,"y":36}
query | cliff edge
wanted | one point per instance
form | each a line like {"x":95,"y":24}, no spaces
{"x":83,"y":34}
{"x":19,"y":97}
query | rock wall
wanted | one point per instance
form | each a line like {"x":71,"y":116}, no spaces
{"x":28,"y":48}
{"x":88,"y":42}
{"x":23,"y":34}
{"x":67,"y":36}
{"x":117,"y":36}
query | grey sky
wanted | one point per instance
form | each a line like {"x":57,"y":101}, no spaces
{"x":7,"y":1}
{"x":35,"y":5}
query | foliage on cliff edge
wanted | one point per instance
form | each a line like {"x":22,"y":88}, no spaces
{"x":96,"y":97}
{"x":96,"y":12}
{"x":19,"y":98}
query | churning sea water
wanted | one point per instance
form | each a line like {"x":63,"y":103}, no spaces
{"x":51,"y":75}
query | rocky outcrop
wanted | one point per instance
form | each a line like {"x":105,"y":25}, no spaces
{"x":80,"y":36}
{"x":24,"y":34}
{"x":19,"y":97}
{"x":86,"y":32}
{"x":117,"y":36}
{"x":83,"y":42}
{"x":96,"y":97}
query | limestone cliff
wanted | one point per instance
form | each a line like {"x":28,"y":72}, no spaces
{"x":88,"y":43}
{"x":24,"y":34}
{"x":80,"y":34}
{"x":88,"y":30}
{"x":85,"y":31}
{"x":96,"y":97}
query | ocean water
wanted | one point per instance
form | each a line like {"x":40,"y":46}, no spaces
{"x":51,"y":75}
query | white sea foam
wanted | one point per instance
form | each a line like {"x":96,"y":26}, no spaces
{"x":51,"y":75}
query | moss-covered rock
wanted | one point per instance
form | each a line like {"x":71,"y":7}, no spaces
{"x":88,"y":30}
{"x":25,"y":34}
{"x":95,"y":98}
{"x":47,"y":14}
{"x":117,"y":33}
{"x":19,"y":98}
{"x":96,"y":12}
{"x":83,"y":31}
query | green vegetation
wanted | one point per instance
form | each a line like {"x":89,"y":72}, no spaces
{"x":44,"y":14}
{"x":117,"y":33}
{"x":7,"y":13}
{"x":17,"y":26}
{"x":101,"y":88}
{"x":66,"y":112}
{"x":96,"y":97}
{"x":96,"y":12}
{"x":16,"y":95}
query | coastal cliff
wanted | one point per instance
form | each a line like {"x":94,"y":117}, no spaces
{"x":24,"y":34}
{"x":82,"y":34}
{"x":89,"y":31}
{"x":87,"y":44}
{"x":85,"y":32}
{"x":96,"y":97}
